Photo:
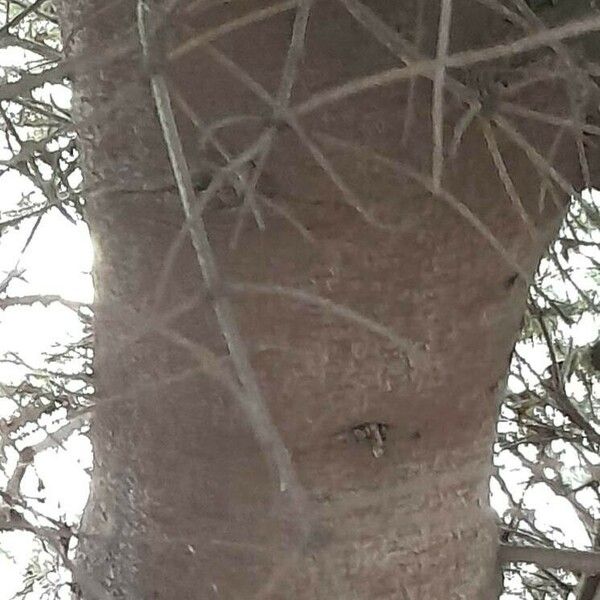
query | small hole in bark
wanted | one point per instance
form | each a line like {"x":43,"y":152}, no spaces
{"x":511,"y":281}
{"x":375,"y":434}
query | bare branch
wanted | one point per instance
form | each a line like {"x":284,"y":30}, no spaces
{"x":26,"y":11}
{"x":552,"y":558}
{"x":409,"y":112}
{"x":288,"y":216}
{"x":290,"y":71}
{"x":458,"y":60}
{"x":329,"y":306}
{"x":505,"y":177}
{"x":45,"y":300}
{"x":536,"y":158}
{"x":240,"y":181}
{"x":403,"y":49}
{"x":252,"y":402}
{"x":542,"y":117}
{"x":313,"y":149}
{"x":504,"y":11}
{"x":437,"y":104}
{"x":461,"y":127}
{"x":206,"y":37}
{"x":28,"y":454}
{"x":443,"y":195}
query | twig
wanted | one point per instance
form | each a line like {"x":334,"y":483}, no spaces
{"x":461,"y":127}
{"x":405,"y":51}
{"x":209,"y":132}
{"x":206,"y":37}
{"x":522,"y":111}
{"x":45,"y":300}
{"x":28,"y":454}
{"x":240,"y":180}
{"x":504,"y":11}
{"x":409,"y":111}
{"x":252,"y":402}
{"x":313,"y":149}
{"x":535,"y":23}
{"x":290,"y":71}
{"x":26,"y":11}
{"x":458,"y":60}
{"x":536,"y":158}
{"x":443,"y":195}
{"x":552,"y":558}
{"x":437,"y":104}
{"x":239,"y":166}
{"x":558,"y":387}
{"x":340,"y":310}
{"x":286,"y":214}
{"x":504,"y":175}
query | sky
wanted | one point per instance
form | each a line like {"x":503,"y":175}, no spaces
{"x":58,"y":261}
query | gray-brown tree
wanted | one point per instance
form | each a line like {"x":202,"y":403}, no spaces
{"x":315,"y":226}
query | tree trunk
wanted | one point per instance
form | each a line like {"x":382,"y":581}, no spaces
{"x":185,"y":503}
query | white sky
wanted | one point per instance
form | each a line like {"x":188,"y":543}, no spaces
{"x":58,"y":261}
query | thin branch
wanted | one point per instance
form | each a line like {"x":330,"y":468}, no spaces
{"x":45,"y":300}
{"x":52,"y":439}
{"x":542,"y":117}
{"x":409,"y":111}
{"x":576,"y":107}
{"x":461,"y":127}
{"x":26,"y":11}
{"x":206,"y":37}
{"x":14,"y":273}
{"x":313,"y":149}
{"x":295,"y":54}
{"x":9,"y":39}
{"x":405,"y":51}
{"x":128,"y":44}
{"x":546,"y":185}
{"x":536,"y":24}
{"x":208,"y":363}
{"x":286,"y":214}
{"x":239,"y":183}
{"x":504,"y":175}
{"x":437,"y":104}
{"x":209,"y":131}
{"x":252,"y":402}
{"x":443,"y":195}
{"x":462,"y":59}
{"x":552,"y":558}
{"x":536,"y":158}
{"x":239,"y":166}
{"x":505,"y":12}
{"x":329,"y":306}
{"x":558,"y":387}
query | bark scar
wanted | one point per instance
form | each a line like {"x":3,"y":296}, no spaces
{"x":375,"y":434}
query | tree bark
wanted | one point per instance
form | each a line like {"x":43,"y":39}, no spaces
{"x":184,"y":501}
